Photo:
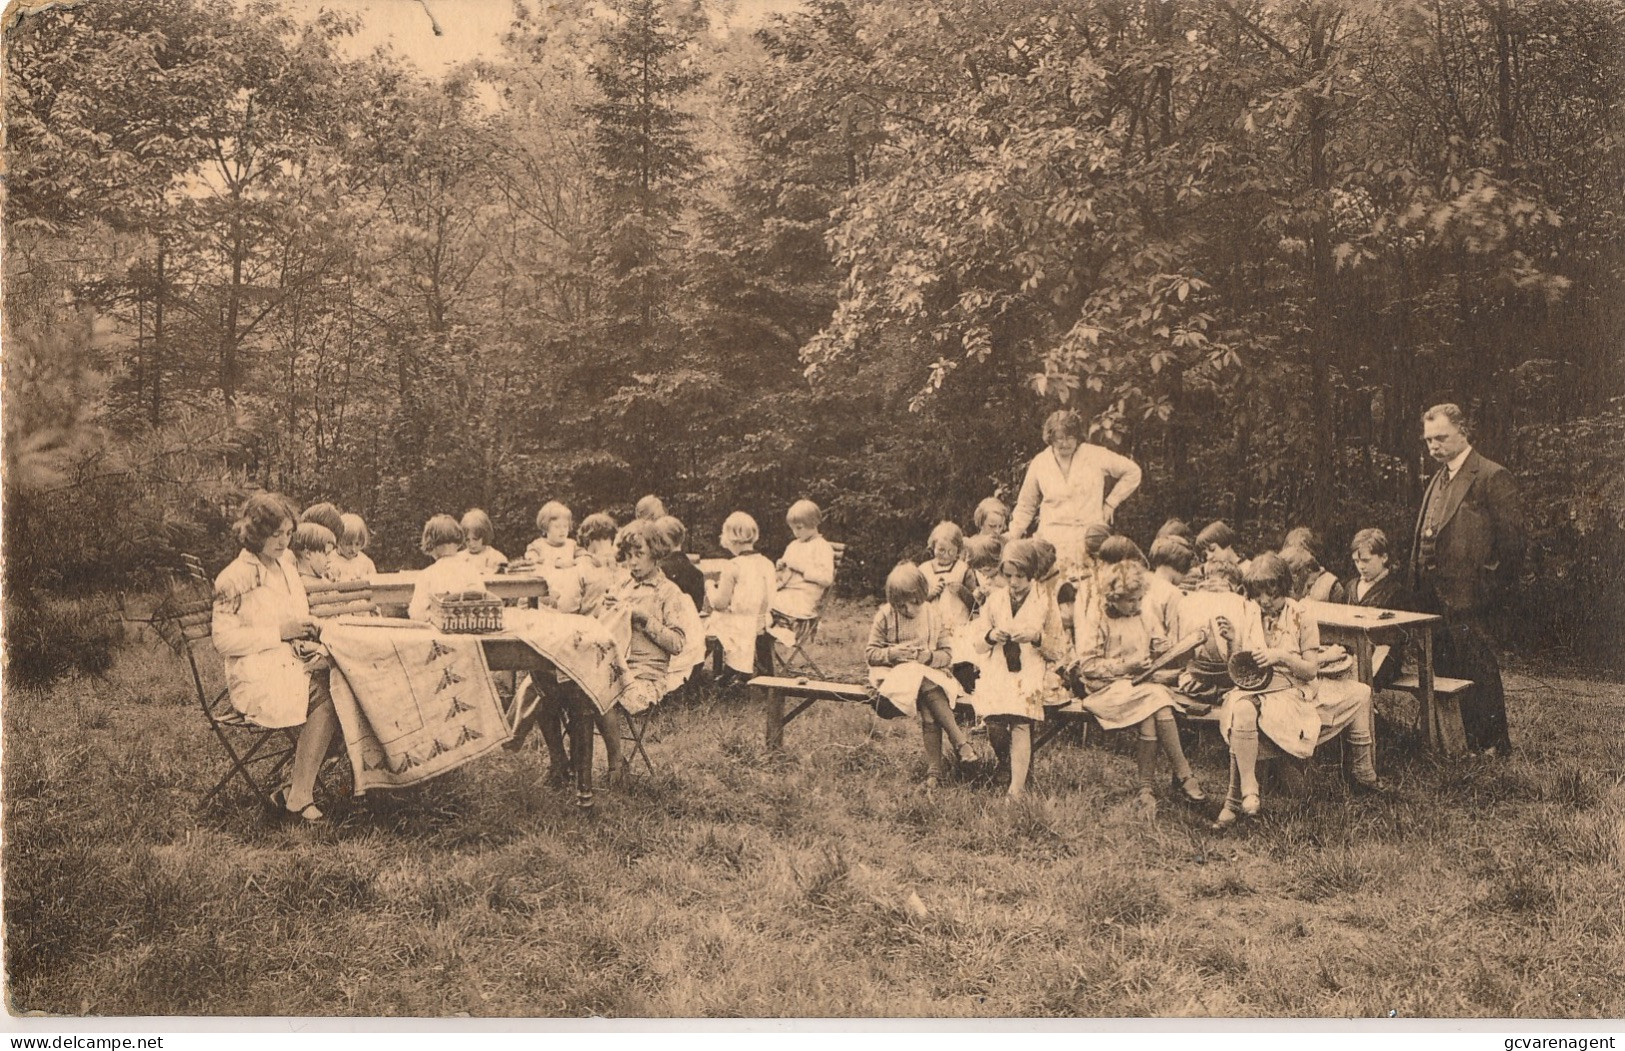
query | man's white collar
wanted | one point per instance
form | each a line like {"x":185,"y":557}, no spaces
{"x":1454,"y":466}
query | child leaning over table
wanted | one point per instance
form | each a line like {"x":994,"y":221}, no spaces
{"x":908,"y":657}
{"x":450,"y":571}
{"x":349,"y":561}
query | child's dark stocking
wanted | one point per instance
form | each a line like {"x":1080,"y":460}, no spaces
{"x":932,"y":699}
{"x":998,"y":735}
{"x":931,"y":737}
{"x":550,"y":721}
{"x":1145,"y":755}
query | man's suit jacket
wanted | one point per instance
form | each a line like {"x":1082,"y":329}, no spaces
{"x":1479,"y":549}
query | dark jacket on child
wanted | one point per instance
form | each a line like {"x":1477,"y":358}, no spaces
{"x":1390,"y":592}
{"x":682,"y":571}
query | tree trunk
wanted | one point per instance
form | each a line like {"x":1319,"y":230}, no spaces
{"x":1321,"y":292}
{"x":228,"y":335}
{"x":155,"y":367}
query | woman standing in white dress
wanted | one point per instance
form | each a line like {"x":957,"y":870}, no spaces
{"x":1065,"y":489}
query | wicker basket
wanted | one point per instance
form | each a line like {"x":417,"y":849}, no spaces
{"x":465,"y":612}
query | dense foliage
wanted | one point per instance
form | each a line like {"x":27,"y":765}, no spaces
{"x":855,"y":255}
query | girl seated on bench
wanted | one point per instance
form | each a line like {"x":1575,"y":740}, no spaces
{"x":1117,"y":640}
{"x":908,"y":660}
{"x":1295,"y":708}
{"x":1017,"y":640}
{"x":742,"y":597}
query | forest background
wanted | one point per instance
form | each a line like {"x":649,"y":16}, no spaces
{"x":855,"y":255}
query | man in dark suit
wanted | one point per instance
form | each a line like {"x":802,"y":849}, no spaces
{"x":1466,"y":554}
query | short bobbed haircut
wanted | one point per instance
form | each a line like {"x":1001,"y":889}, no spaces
{"x":476,"y":523}
{"x":650,"y":507}
{"x":740,"y":528}
{"x":355,"y":531}
{"x":595,"y":527}
{"x":1064,"y":423}
{"x":906,"y":584}
{"x":946,"y":533}
{"x":1025,"y":558}
{"x":261,"y":517}
{"x":641,"y":532}
{"x":1215,"y":534}
{"x":1119,"y":549}
{"x":1303,"y":567}
{"x":311,"y":536}
{"x":439,"y":531}
{"x":1449,"y":410}
{"x":326,"y":514}
{"x":989,"y":509}
{"x":551,"y":512}
{"x":1047,"y":556}
{"x":1094,"y":535}
{"x":1268,"y":574}
{"x":982,"y":552}
{"x":1174,"y":552}
{"x":1174,"y":527}
{"x":1371,"y":541}
{"x":672,"y":528}
{"x":804,"y":513}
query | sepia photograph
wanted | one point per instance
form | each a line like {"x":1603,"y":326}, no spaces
{"x":962,"y":510}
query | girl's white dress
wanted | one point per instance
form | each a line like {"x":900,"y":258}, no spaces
{"x":267,"y":681}
{"x":454,"y":573}
{"x":900,"y":683}
{"x":952,"y":609}
{"x":487,"y":561}
{"x":1106,"y":646}
{"x":748,"y":613}
{"x":1294,"y":714}
{"x":1000,"y":691}
{"x":555,"y":564}
{"x":341,"y":569}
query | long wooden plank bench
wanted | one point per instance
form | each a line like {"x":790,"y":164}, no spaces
{"x":1443,"y":685}
{"x":777,"y":689}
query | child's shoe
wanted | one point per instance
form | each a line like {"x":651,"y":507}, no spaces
{"x":1190,"y":788}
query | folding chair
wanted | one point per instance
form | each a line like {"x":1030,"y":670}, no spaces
{"x":790,"y":655}
{"x":257,"y":754}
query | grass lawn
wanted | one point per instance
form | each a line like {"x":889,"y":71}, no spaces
{"x":821,"y":883}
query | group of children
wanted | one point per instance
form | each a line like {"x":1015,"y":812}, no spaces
{"x":985,"y":622}
{"x":1130,"y":638}
{"x":602,"y":568}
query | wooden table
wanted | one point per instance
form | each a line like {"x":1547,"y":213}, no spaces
{"x":395,"y":589}
{"x":1360,"y":629}
{"x":710,"y":568}
{"x":510,"y":653}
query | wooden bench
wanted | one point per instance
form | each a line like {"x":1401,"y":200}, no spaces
{"x":1443,"y":685}
{"x":777,"y":689}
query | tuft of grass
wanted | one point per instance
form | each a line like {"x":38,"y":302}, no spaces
{"x":823,"y":882}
